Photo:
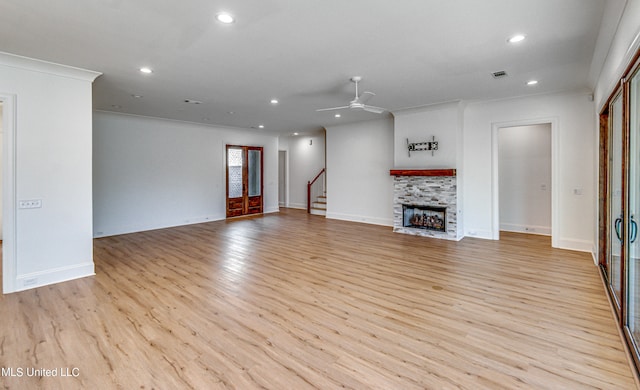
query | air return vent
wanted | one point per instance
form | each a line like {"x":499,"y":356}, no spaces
{"x":499,"y":74}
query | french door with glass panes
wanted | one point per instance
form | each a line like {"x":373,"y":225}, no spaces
{"x":620,"y":203}
{"x":632,"y":269}
{"x":244,"y":180}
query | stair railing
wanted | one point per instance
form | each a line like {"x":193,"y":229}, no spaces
{"x":309,"y":188}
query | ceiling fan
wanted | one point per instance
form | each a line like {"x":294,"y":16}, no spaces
{"x":358,"y":103}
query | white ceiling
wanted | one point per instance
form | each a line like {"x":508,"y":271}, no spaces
{"x":409,"y":52}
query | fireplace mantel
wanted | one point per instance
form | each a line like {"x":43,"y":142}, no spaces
{"x":423,"y":172}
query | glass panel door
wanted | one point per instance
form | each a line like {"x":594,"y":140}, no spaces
{"x":633,"y":265}
{"x":255,"y":160}
{"x":244,"y":180}
{"x":615,"y":205}
{"x":234,"y":162}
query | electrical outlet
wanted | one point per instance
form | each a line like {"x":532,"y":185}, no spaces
{"x":30,"y":204}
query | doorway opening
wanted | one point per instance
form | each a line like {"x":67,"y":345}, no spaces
{"x":524,"y":159}
{"x":524,"y":180}
{"x":244,"y":180}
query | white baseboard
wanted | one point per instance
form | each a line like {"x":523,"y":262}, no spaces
{"x":530,"y":229}
{"x":479,"y":233}
{"x":361,"y":219}
{"x":104,"y":232}
{"x":575,"y":245}
{"x":272,"y":210}
{"x":52,"y":276}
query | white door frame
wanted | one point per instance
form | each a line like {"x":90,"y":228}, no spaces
{"x":9,"y":261}
{"x":495,"y":180}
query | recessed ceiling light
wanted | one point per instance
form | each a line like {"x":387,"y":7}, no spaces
{"x":295,"y":133}
{"x":261,"y":126}
{"x":225,"y":18}
{"x":532,"y":82}
{"x":274,"y":101}
{"x":516,"y":38}
{"x":146,"y":70}
{"x":136,"y":96}
{"x":337,"y":115}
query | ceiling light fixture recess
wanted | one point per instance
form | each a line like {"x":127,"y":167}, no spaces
{"x":261,"y":126}
{"x":274,"y":101}
{"x":225,"y":18}
{"x":532,"y":82}
{"x":146,"y":70}
{"x":516,"y":38}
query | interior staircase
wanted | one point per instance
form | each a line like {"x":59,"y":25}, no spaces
{"x":314,"y":187}
{"x":319,"y":206}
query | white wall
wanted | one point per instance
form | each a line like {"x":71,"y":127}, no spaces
{"x":359,"y":186}
{"x":52,"y":164}
{"x":420,"y":125}
{"x":306,"y":158}
{"x":152,"y":173}
{"x":525,"y":178}
{"x":574,"y":165}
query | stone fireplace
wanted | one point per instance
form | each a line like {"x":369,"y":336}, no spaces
{"x":425,"y":203}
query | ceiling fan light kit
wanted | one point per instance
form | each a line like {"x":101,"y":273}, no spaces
{"x":358,"y":103}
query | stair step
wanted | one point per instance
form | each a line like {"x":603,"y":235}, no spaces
{"x":316,"y":211}
{"x":319,"y":205}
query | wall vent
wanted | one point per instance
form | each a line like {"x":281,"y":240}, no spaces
{"x":499,"y":74}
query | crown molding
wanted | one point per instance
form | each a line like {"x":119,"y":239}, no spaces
{"x":35,"y":65}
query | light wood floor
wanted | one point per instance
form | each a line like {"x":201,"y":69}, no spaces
{"x":292,"y":301}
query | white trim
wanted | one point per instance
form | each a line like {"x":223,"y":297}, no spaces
{"x":529,"y":229}
{"x":145,"y":228}
{"x":52,"y":276}
{"x":483,"y":234}
{"x":271,"y":210}
{"x":574,"y":245}
{"x":495,"y":189}
{"x":36,"y":65}
{"x":361,"y":219}
{"x":9,"y":242}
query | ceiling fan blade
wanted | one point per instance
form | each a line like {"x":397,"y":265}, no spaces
{"x":365,"y":96}
{"x":332,"y":108}
{"x":377,"y":110}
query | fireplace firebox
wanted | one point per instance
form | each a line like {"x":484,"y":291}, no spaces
{"x":425,"y":217}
